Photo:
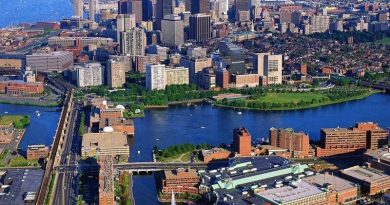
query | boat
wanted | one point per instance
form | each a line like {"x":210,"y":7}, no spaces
{"x":38,"y":114}
{"x":157,"y":139}
{"x":202,"y":127}
{"x":5,"y":112}
{"x":139,"y":152}
{"x":240,"y":113}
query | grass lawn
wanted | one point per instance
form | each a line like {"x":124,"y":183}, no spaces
{"x":22,"y":162}
{"x":384,"y":41}
{"x":290,"y":97}
{"x":9,"y":119}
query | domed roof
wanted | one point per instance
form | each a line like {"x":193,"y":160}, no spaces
{"x":108,"y":129}
{"x":120,"y":107}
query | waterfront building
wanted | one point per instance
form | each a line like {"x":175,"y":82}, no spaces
{"x":21,"y":88}
{"x":90,"y":74}
{"x":172,"y":30}
{"x":35,"y":152}
{"x":106,"y":143}
{"x":297,"y":143}
{"x":195,"y":66}
{"x":357,"y":139}
{"x":116,"y":73}
{"x":133,"y":42}
{"x":222,"y":78}
{"x":200,"y":27}
{"x":372,"y":181}
{"x":56,"y":61}
{"x":245,"y":80}
{"x":80,"y":41}
{"x":106,"y":180}
{"x":155,"y":77}
{"x":180,"y":181}
{"x":215,"y":154}
{"x":206,"y":79}
{"x":242,"y":142}
{"x":176,"y":76}
{"x":269,"y":67}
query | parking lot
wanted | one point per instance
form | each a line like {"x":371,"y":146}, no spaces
{"x":23,"y":180}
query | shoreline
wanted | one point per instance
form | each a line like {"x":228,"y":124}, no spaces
{"x":38,"y":104}
{"x":303,"y":107}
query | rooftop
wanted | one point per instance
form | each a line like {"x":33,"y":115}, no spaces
{"x":337,"y":183}
{"x":180,"y":173}
{"x":104,"y":140}
{"x":365,"y":174}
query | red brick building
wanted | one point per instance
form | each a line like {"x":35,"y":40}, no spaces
{"x":242,"y":141}
{"x":215,"y":154}
{"x":37,"y":152}
{"x":222,"y":78}
{"x":180,"y":181}
{"x":296,"y":143}
{"x":19,"y":88}
{"x":363,"y":136}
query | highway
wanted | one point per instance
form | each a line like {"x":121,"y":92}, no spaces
{"x":66,"y":189}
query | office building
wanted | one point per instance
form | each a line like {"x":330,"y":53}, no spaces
{"x":319,"y":23}
{"x":56,"y":61}
{"x":142,"y":61}
{"x":80,"y":41}
{"x":90,"y":74}
{"x":242,"y":142}
{"x":124,"y":23}
{"x":107,"y":143}
{"x":372,"y":181}
{"x":123,"y":7}
{"x":133,"y":42}
{"x":136,"y":9}
{"x":172,"y":30}
{"x":200,"y":6}
{"x":200,"y":28}
{"x":78,"y":8}
{"x":155,"y":77}
{"x":180,"y":181}
{"x":163,"y":8}
{"x":222,"y":78}
{"x":357,"y":139}
{"x":296,"y":143}
{"x":195,"y":66}
{"x":245,"y":80}
{"x":269,"y":67}
{"x":116,"y":73}
{"x":35,"y":152}
{"x":93,"y":8}
{"x":106,"y":180}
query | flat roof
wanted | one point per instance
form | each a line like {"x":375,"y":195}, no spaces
{"x":338,"y":184}
{"x":289,"y":193}
{"x":104,"y":140}
{"x":177,"y":174}
{"x":366,"y":174}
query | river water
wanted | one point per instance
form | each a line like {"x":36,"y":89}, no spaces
{"x":207,"y":124}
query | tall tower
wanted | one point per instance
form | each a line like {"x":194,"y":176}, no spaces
{"x":200,"y":27}
{"x":136,"y":9}
{"x":123,"y":7}
{"x":172,"y":30}
{"x":200,"y":6}
{"x":92,"y":9}
{"x":78,"y":8}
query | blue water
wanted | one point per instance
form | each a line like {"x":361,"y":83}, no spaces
{"x":42,"y":128}
{"x":31,"y":11}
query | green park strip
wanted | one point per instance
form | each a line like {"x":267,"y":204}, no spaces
{"x":18,"y":121}
{"x":178,"y":153}
{"x":295,"y":101}
{"x":31,"y":103}
{"x":384,"y":41}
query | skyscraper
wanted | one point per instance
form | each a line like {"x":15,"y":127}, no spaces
{"x":136,"y":9}
{"x":200,"y":6}
{"x":155,"y":77}
{"x":123,"y":7}
{"x":269,"y":67}
{"x":116,"y":73}
{"x":124,"y":22}
{"x":78,"y":9}
{"x":200,"y":27}
{"x":163,"y":8}
{"x":92,"y":9}
{"x":133,"y":42}
{"x":172,"y":30}
{"x":89,"y":75}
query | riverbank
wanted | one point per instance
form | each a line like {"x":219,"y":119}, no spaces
{"x":27,"y":101}
{"x":301,"y":107}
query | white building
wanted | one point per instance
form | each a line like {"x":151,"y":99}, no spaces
{"x":78,"y":8}
{"x":155,"y":77}
{"x":269,"y":67}
{"x":91,"y":74}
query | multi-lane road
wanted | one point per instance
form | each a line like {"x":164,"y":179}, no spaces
{"x":66,"y":190}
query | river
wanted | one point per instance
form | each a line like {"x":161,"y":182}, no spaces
{"x":13,"y":12}
{"x":207,"y":124}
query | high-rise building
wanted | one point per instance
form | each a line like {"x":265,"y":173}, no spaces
{"x":319,"y":23}
{"x":123,"y":7}
{"x":200,"y":6}
{"x":296,"y":143}
{"x":78,"y":9}
{"x":90,"y":74}
{"x":116,"y":73}
{"x":172,"y":30}
{"x":124,"y":22}
{"x":136,"y":9}
{"x":163,"y":8}
{"x":242,"y":141}
{"x":155,"y":77}
{"x":92,"y":9}
{"x":222,"y":7}
{"x":269,"y":67}
{"x":242,"y":5}
{"x":200,"y":27}
{"x":176,"y":76}
{"x":133,"y":42}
